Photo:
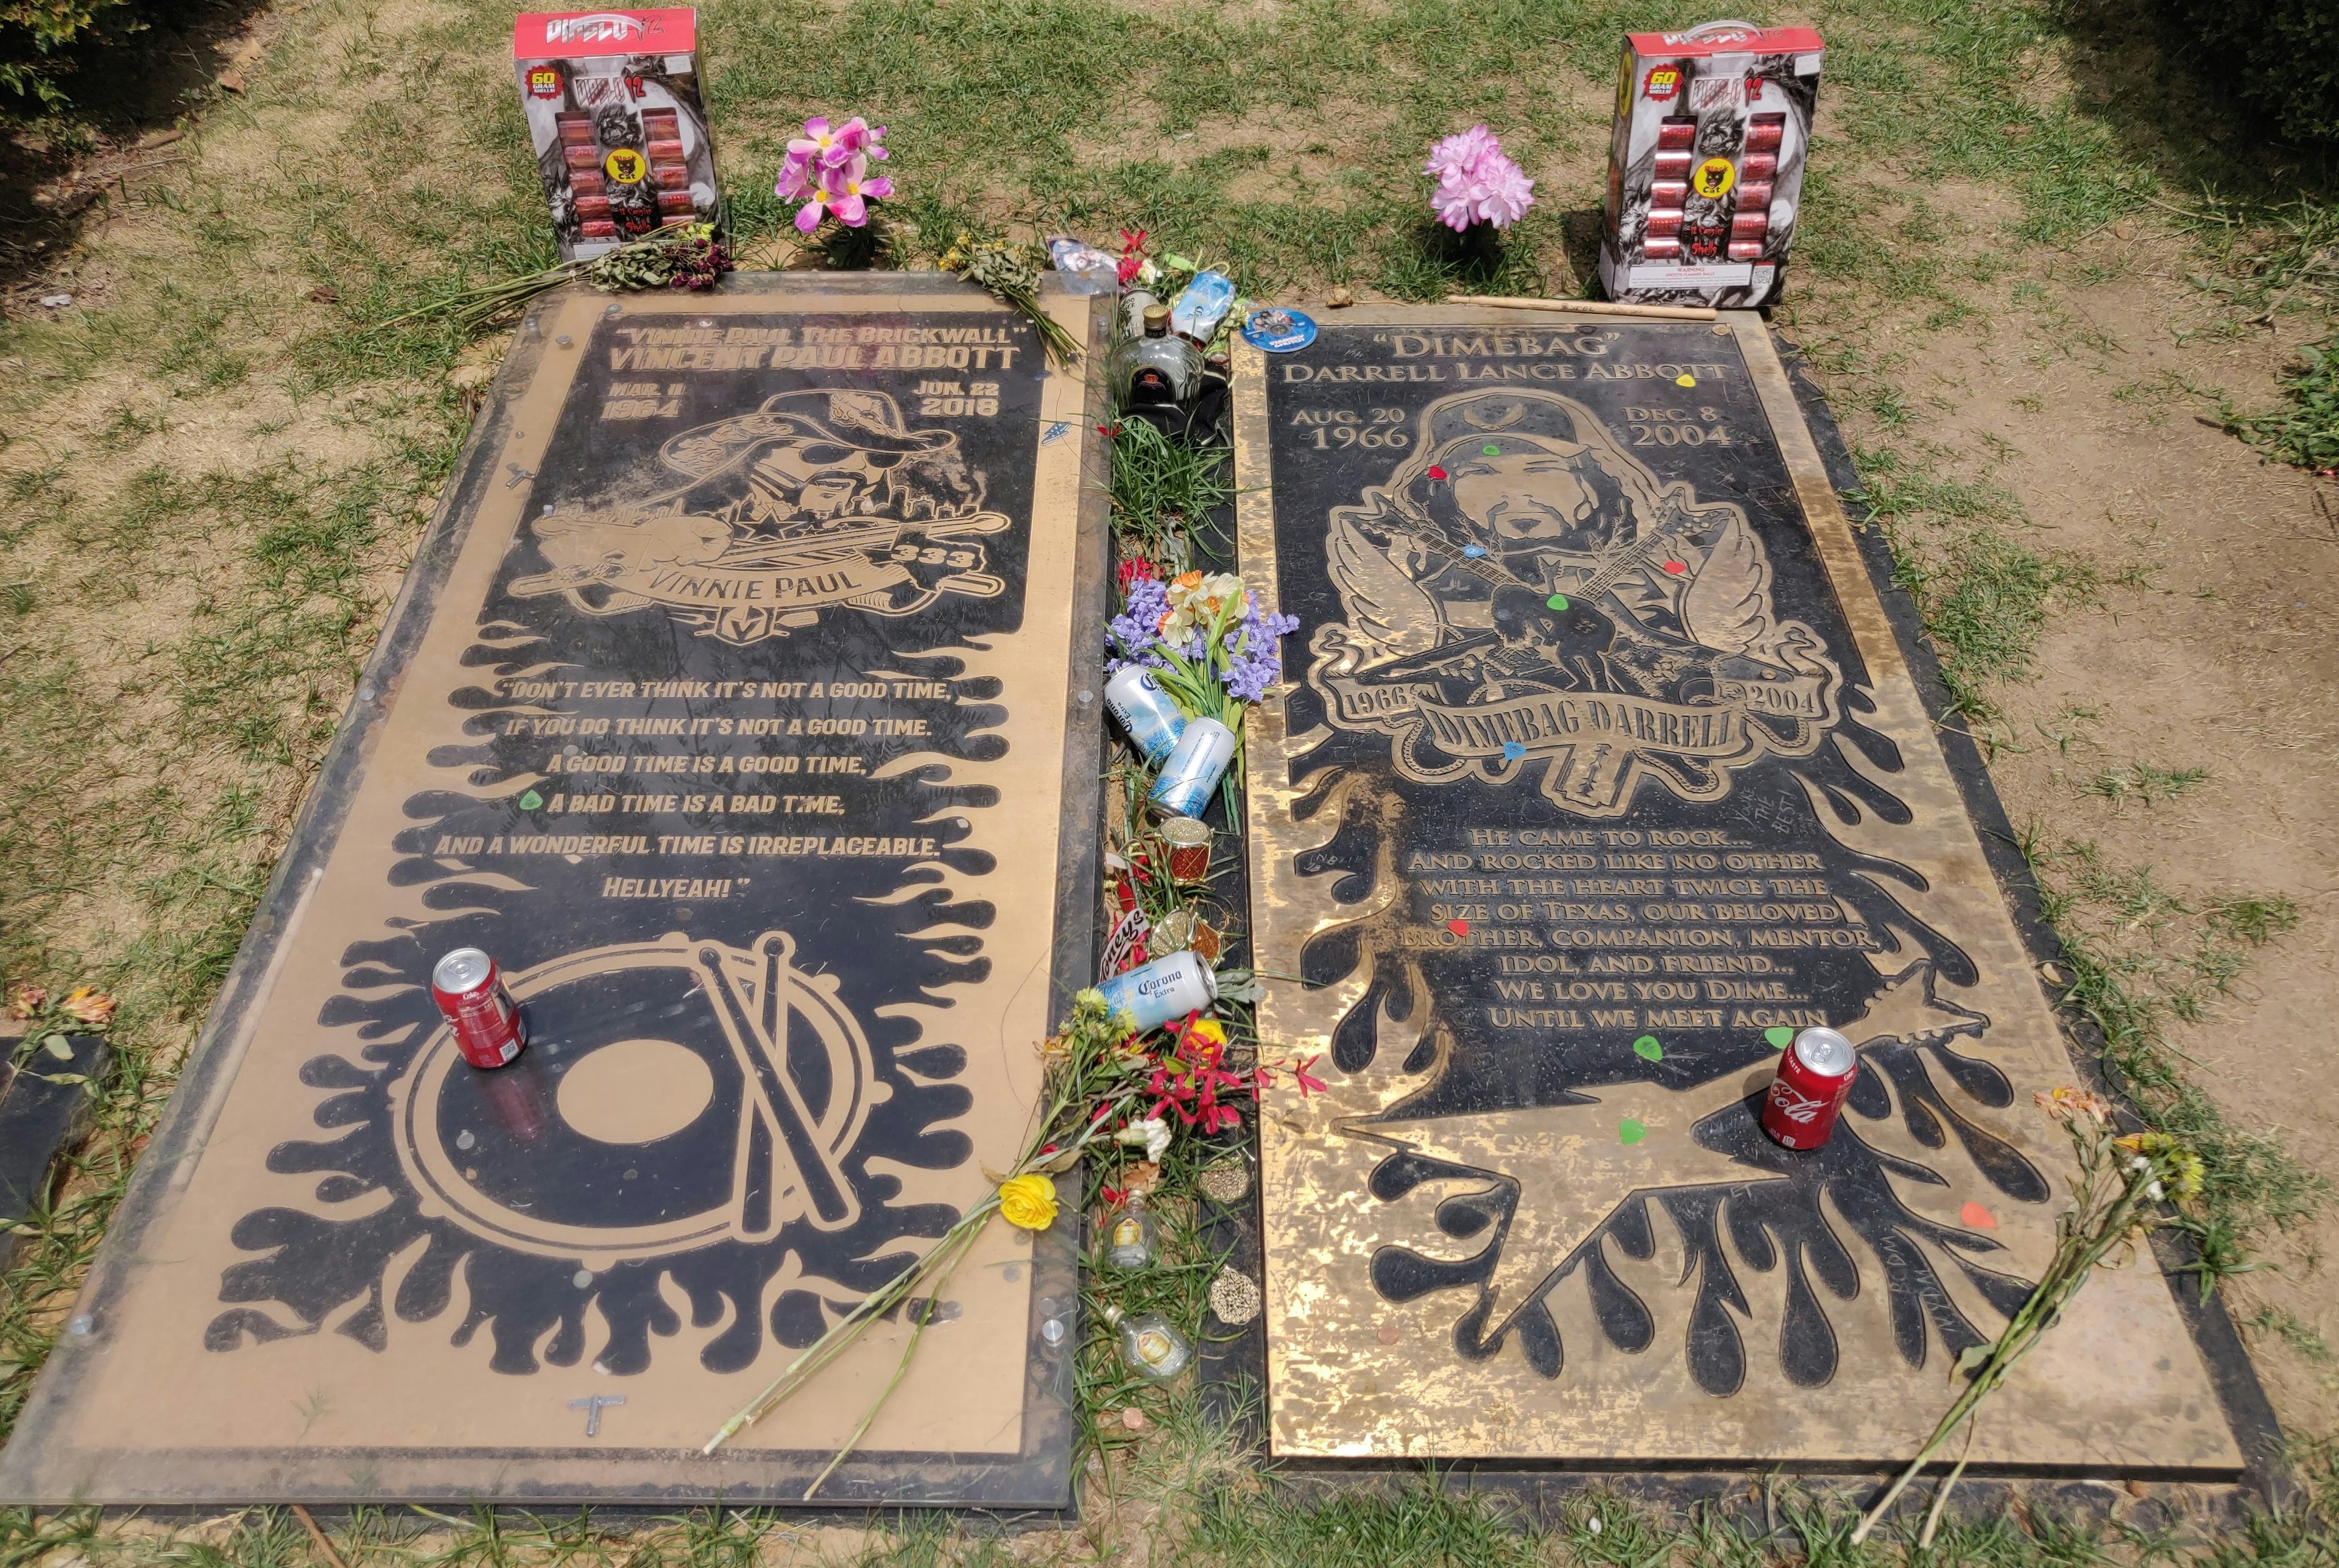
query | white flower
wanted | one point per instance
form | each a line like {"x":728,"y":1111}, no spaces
{"x":2153,"y":1192}
{"x":2139,"y":1163}
{"x":1152,"y":1132}
{"x":1195,"y":598}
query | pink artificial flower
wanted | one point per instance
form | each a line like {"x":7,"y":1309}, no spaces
{"x":1507,"y":192}
{"x":1456,"y":206}
{"x":820,"y":143}
{"x":1477,"y":181}
{"x":1453,"y":161}
{"x":795,"y":179}
{"x":851,"y":189}
{"x":809,"y":215}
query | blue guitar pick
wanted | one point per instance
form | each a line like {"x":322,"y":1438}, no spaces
{"x":1474,"y":551}
{"x":1512,"y":751}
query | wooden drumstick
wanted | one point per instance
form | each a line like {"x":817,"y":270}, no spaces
{"x":833,"y":1201}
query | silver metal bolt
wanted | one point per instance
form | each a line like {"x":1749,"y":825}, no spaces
{"x":1053,"y":1331}
{"x":582,"y":1280}
{"x":81,"y":1327}
{"x":1088,"y":696}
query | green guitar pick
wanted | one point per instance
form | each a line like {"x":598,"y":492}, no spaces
{"x":530,"y":801}
{"x":1631,"y":1131}
{"x":1557,"y":601}
{"x":1492,"y":450}
{"x":1647,"y":1046}
{"x":1780,"y":1036}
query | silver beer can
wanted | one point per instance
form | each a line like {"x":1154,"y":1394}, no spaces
{"x":1146,"y":711}
{"x":1167,"y":989}
{"x":1196,"y":765}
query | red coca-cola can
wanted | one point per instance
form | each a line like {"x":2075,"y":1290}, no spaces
{"x":1814,"y":1078}
{"x":470,"y":989}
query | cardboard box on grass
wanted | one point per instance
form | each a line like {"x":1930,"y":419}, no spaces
{"x":1705,"y":163}
{"x":620,"y":133}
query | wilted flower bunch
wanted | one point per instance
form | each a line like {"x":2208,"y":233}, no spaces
{"x":1476,"y":182}
{"x":2120,"y":1183}
{"x":1206,"y":634}
{"x":827,"y":169}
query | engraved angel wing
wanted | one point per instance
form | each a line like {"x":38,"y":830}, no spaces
{"x":1726,"y":606}
{"x":1383,"y":601}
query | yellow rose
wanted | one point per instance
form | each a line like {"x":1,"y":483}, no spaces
{"x":1028,"y":1201}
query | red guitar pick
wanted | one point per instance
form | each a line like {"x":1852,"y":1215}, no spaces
{"x":1458,"y":927}
{"x":1976,"y":1215}
{"x":1676,"y":568}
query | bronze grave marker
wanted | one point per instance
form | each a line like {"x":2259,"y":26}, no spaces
{"x":733,"y":706}
{"x":1602,"y":772}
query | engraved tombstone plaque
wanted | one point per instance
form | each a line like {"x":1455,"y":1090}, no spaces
{"x":1601,"y":774}
{"x":731,"y":707}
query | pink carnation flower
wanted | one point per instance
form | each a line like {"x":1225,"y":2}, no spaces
{"x":1452,"y":161}
{"x":1476,"y":182}
{"x":1508,"y":193}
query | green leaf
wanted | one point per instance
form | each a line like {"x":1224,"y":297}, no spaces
{"x":58,"y":1046}
{"x":1975,"y":1355}
{"x":61,"y":1076}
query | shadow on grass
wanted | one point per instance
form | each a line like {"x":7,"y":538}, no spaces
{"x":61,"y":167}
{"x":1429,"y":261}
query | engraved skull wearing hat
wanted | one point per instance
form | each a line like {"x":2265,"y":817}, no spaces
{"x":806,"y":459}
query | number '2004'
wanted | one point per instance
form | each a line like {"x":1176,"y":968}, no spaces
{"x":1679,"y":436}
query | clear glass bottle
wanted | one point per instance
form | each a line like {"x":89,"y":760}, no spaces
{"x":1159,"y":368}
{"x":1151,"y":1347}
{"x":1128,"y":1239}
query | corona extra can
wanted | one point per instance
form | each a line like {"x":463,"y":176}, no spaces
{"x":1146,"y":711}
{"x":1195,"y":766}
{"x":470,"y":989}
{"x":1168,"y":988}
{"x":1814,"y":1077}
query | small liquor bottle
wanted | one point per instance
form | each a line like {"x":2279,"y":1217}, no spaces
{"x":1128,"y":1240}
{"x":1150,"y":1345}
{"x":1160,"y":367}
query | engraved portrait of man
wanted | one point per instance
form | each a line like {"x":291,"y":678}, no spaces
{"x":1519,"y":555}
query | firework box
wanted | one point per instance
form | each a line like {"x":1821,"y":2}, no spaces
{"x":613,"y":107}
{"x":1705,"y":164}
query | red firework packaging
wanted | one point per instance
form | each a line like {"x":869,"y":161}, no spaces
{"x":1705,"y":166}
{"x":469,"y":990}
{"x":613,"y":104}
{"x":1815,"y":1076}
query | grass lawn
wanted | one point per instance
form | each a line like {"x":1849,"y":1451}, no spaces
{"x":212,"y":472}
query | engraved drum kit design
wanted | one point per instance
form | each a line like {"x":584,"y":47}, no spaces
{"x":666,"y":1144}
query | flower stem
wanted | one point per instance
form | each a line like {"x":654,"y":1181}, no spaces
{"x":901,"y":1367}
